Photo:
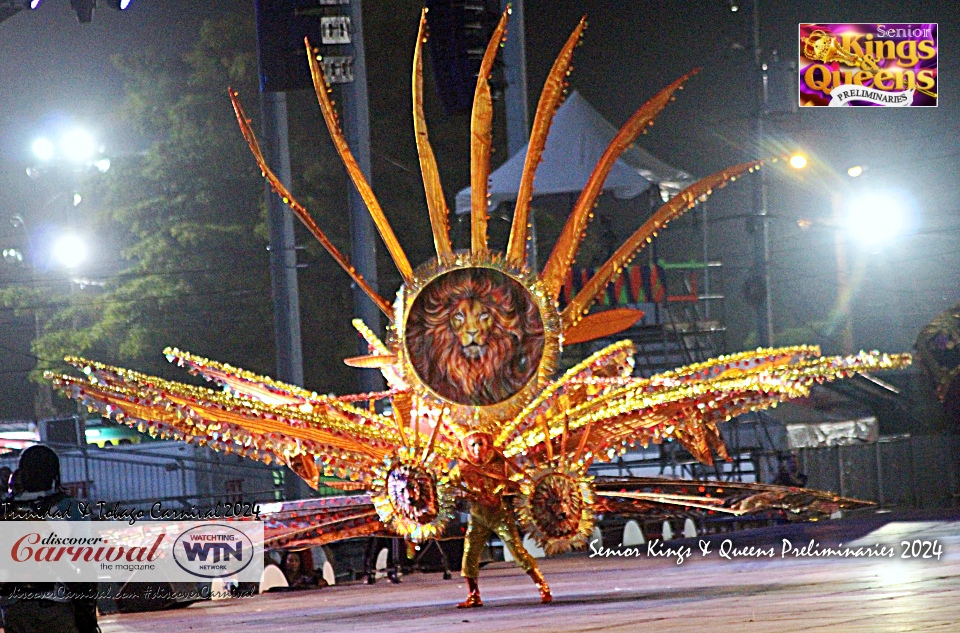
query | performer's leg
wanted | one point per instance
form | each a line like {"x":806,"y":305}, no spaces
{"x":506,"y":529}
{"x":473,"y":544}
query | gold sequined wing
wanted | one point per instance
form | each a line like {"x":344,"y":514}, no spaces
{"x":325,"y":436}
{"x":610,"y":366}
{"x":685,"y":405}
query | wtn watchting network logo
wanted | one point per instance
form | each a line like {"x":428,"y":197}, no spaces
{"x":868,"y":65}
{"x":213,"y":551}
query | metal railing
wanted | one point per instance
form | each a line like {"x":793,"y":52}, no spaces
{"x":175,"y":474}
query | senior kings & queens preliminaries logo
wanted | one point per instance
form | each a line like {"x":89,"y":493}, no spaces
{"x":868,"y":65}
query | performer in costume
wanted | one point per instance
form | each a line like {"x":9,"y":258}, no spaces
{"x":475,"y":407}
{"x":486,"y":477}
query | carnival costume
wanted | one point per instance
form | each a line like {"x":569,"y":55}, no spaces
{"x":474,"y":408}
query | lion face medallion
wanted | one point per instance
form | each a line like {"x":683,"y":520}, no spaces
{"x":474,"y":336}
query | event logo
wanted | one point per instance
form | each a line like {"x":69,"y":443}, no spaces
{"x":114,"y":551}
{"x":213,"y":551}
{"x":868,"y":65}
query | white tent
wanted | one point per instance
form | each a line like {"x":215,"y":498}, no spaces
{"x":578,"y":137}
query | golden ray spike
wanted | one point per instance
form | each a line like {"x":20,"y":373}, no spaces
{"x":561,"y":259}
{"x":370,"y":337}
{"x":356,"y":175}
{"x":513,"y":465}
{"x":563,"y":439}
{"x":550,"y":99}
{"x":402,"y":404}
{"x":583,"y":442}
{"x":684,"y":200}
{"x":300,"y":211}
{"x":547,"y":442}
{"x":436,"y":203}
{"x":433,"y":438}
{"x":415,"y":427}
{"x":371,"y":361}
{"x":601,"y":324}
{"x":481,"y":138}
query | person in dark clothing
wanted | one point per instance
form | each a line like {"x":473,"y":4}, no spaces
{"x":62,"y":609}
{"x":788,"y":472}
{"x":5,"y":476}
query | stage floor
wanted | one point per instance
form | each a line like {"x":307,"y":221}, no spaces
{"x":742,"y":593}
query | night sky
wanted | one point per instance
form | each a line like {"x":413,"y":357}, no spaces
{"x":54,"y":70}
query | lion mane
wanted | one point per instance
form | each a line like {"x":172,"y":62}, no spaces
{"x":513,"y":340}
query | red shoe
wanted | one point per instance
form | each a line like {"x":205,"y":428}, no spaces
{"x":473,"y":599}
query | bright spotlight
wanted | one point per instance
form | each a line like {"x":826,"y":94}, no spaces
{"x":103,"y":165}
{"x":798,"y":161}
{"x":855,"y":171}
{"x":70,"y":251}
{"x":878,"y":217}
{"x":35,"y":3}
{"x":78,"y":145}
{"x":43,"y":149}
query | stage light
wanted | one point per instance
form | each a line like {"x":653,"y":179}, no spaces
{"x":35,"y":3}
{"x":43,"y":149}
{"x":798,"y":161}
{"x":103,"y":165}
{"x":70,"y":251}
{"x":734,"y":5}
{"x":876,"y":217}
{"x":855,"y":171}
{"x":78,"y":145}
{"x":119,"y":5}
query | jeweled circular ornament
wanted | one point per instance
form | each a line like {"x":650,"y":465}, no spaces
{"x":556,"y":507}
{"x":474,"y":336}
{"x":413,"y":496}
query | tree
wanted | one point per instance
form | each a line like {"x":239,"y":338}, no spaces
{"x":187,"y":217}
{"x":189,"y":220}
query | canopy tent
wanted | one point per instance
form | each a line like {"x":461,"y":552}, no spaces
{"x":578,"y":137}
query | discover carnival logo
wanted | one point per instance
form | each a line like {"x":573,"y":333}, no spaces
{"x":114,"y":551}
{"x":213,"y":551}
{"x":868,"y":65}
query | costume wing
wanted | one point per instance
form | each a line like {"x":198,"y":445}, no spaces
{"x":662,"y":498}
{"x":594,"y":418}
{"x":312,"y":522}
{"x":262,"y":420}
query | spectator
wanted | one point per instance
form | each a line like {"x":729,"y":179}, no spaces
{"x":5,"y":476}
{"x":788,"y":472}
{"x":64,"y":609}
{"x":298,"y":570}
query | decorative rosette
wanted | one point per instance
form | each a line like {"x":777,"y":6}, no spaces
{"x":555,"y":507}
{"x":413,"y":495}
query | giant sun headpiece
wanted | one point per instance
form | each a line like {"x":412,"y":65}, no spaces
{"x":471,"y":350}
